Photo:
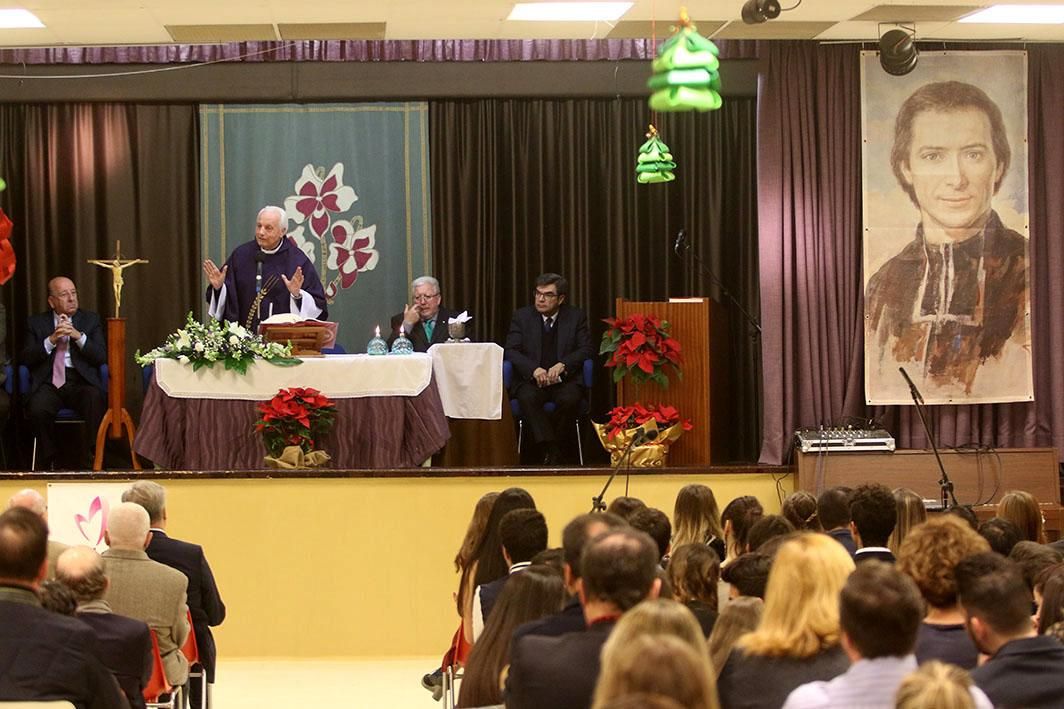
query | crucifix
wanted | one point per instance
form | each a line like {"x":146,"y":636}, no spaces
{"x":117,"y":265}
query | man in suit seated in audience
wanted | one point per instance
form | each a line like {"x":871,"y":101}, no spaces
{"x":144,"y":589}
{"x":618,"y":571}
{"x":1025,"y":669}
{"x":123,"y":644}
{"x":34,"y":502}
{"x":547,"y":344}
{"x":874,"y":513}
{"x":64,"y":348}
{"x":880,"y":610}
{"x":44,"y":656}
{"x":574,"y":537}
{"x":833,"y":511}
{"x":424,"y":319}
{"x":523,"y":534}
{"x":204,"y":599}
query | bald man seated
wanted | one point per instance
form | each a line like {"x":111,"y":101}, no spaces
{"x":123,"y":644}
{"x":144,"y":589}
{"x":34,"y":501}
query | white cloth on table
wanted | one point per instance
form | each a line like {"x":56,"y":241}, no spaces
{"x":469,"y":377}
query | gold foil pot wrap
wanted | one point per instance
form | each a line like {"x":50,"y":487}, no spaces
{"x":647,"y":455}
{"x":294,"y":457}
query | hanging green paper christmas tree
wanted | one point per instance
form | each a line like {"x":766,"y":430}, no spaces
{"x":654,"y":163}
{"x":686,"y":72}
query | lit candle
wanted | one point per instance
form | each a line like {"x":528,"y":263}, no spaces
{"x":377,"y":332}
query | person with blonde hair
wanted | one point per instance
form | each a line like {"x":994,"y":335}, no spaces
{"x":1022,"y":509}
{"x":800,"y":510}
{"x":696,"y":519}
{"x":911,"y":512}
{"x":929,"y":556}
{"x":798,"y":638}
{"x":936,"y":684}
{"x":739,"y":617}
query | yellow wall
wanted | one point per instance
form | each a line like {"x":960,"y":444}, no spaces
{"x":363,"y":567}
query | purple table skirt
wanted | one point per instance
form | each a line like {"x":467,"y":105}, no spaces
{"x":217,"y":434}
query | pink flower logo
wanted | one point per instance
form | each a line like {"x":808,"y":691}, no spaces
{"x":351,"y":251}
{"x":316,"y":196}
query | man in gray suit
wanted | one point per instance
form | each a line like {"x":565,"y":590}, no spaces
{"x":145,"y":589}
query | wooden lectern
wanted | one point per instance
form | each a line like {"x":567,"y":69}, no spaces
{"x":701,"y":328}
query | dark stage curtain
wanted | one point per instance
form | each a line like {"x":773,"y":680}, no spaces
{"x":811,"y":289}
{"x":80,"y":177}
{"x":524,"y":186}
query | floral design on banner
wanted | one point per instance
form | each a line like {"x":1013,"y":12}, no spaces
{"x":345,"y":245}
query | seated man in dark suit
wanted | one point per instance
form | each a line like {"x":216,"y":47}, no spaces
{"x":204,"y":600}
{"x":874,"y":513}
{"x":424,"y":322}
{"x":64,"y":348}
{"x":619,"y":570}
{"x":547,"y":345}
{"x":833,"y":511}
{"x":44,"y":656}
{"x":123,"y":644}
{"x":523,"y":534}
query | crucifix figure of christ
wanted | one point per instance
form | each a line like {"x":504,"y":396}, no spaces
{"x":117,"y":265}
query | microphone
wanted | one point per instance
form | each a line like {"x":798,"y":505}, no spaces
{"x":680,"y":244}
{"x":259,"y":258}
{"x":912,"y":386}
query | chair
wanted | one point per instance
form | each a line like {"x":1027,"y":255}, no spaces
{"x":337,"y":348}
{"x":146,"y":373}
{"x":191,"y":652}
{"x":515,"y":405}
{"x":65,"y":416}
{"x":158,"y":684}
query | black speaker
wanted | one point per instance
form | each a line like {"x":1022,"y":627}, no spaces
{"x":757,"y":11}
{"x":897,"y":52}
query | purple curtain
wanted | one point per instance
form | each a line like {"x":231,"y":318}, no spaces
{"x":809,"y":186}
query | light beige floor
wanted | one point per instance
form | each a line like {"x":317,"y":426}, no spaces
{"x":310,"y":684}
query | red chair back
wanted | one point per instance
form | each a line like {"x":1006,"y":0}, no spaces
{"x":190,"y":649}
{"x":157,"y":685}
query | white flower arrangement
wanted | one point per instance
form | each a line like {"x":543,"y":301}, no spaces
{"x":204,"y":345}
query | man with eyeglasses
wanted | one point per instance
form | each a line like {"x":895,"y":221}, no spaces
{"x":423,"y":320}
{"x":64,"y":348}
{"x":547,"y":345}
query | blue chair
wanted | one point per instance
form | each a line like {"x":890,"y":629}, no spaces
{"x":65,"y":416}
{"x":515,"y":405}
{"x":335,"y":349}
{"x":146,"y":373}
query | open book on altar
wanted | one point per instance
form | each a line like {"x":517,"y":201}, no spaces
{"x":308,"y":337}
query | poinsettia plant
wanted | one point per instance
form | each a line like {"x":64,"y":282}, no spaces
{"x":640,"y":345}
{"x":295,"y":417}
{"x":624,"y":418}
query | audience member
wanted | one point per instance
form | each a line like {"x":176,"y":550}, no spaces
{"x":965,"y":513}
{"x":642,"y":700}
{"x":873,"y":515}
{"x":747,"y":575}
{"x":1023,"y":510}
{"x":1001,"y":534}
{"x":929,"y":556}
{"x":936,"y":685}
{"x":696,"y":519}
{"x":798,"y":638}
{"x":736,"y":520}
{"x":800,"y":510}
{"x":204,"y":600}
{"x":533,"y":594}
{"x":1024,"y":669}
{"x":879,"y":613}
{"x":766,"y":528}
{"x":739,"y":617}
{"x":489,"y":562}
{"x":43,"y":655}
{"x":34,"y":502}
{"x":554,"y":558}
{"x":833,"y":511}
{"x":655,"y":523}
{"x":618,"y":571}
{"x":144,"y":589}
{"x":694,"y":572}
{"x":1033,"y":558}
{"x":911,"y":512}
{"x":1049,"y":597}
{"x":123,"y":644}
{"x":625,"y":507}
{"x":523,"y":534}
{"x":57,"y":598}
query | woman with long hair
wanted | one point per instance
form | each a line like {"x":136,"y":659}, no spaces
{"x":1022,"y":509}
{"x":534,"y":593}
{"x":696,"y":519}
{"x":694,"y":573}
{"x":797,"y":640}
{"x":740,"y":616}
{"x":736,"y":520}
{"x":490,"y":564}
{"x":911,"y":512}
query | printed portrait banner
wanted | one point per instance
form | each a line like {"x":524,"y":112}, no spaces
{"x":354,"y":181}
{"x":946,"y":235}
{"x":78,"y":512}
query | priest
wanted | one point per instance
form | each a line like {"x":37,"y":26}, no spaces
{"x":272,"y":265}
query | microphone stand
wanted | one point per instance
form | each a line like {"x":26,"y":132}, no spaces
{"x":949,"y":500}
{"x":681,"y":247}
{"x":597,"y":503}
{"x":650,"y":436}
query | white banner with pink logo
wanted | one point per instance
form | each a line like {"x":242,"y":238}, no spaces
{"x":78,"y":512}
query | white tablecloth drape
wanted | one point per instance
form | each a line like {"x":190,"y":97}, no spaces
{"x":469,"y":376}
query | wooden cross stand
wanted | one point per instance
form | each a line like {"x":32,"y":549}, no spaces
{"x":116,"y":417}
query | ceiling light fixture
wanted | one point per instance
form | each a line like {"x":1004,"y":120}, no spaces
{"x":569,"y":11}
{"x":1018,"y":15}
{"x":897,"y":51}
{"x":757,"y":11}
{"x":19,"y":19}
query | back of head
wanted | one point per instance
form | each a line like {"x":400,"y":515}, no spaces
{"x":1050,"y":584}
{"x":625,"y":507}
{"x":1022,"y":509}
{"x":930,"y":554}
{"x":1033,"y":559}
{"x":766,"y":528}
{"x":694,"y":570}
{"x":1001,"y":534}
{"x":874,"y":513}
{"x":656,"y":524}
{"x":127,"y":526}
{"x":936,"y":684}
{"x":523,"y":534}
{"x":57,"y":597}
{"x":29,"y":499}
{"x":655,"y":618}
{"x":748,"y":573}
{"x":580,"y":530}
{"x":23,"y":545}
{"x":490,"y":562}
{"x":911,"y":512}
{"x":695,"y":515}
{"x":880,"y":610}
{"x":802,"y":598}
{"x":619,"y":567}
{"x":965,"y":513}
{"x":663,"y":665}
{"x":739,"y":617}
{"x":992,"y":589}
{"x":833,"y":508}
{"x":151,"y":496}
{"x":553,"y":557}
{"x":800,"y":510}
{"x":82,"y":570}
